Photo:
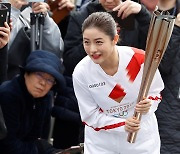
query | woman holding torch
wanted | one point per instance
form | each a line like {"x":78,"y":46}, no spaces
{"x":106,"y":83}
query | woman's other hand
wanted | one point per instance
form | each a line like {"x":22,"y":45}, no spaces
{"x":143,"y":106}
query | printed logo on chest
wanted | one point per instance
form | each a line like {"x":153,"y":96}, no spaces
{"x":96,"y":85}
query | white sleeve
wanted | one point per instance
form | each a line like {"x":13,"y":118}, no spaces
{"x":91,"y":113}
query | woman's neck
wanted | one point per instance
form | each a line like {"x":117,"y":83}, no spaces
{"x":110,"y":67}
{"x":165,"y":5}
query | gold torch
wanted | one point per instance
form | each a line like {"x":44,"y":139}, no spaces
{"x":159,"y":34}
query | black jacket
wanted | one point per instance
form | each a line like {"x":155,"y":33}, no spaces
{"x":67,"y":118}
{"x":3,"y":64}
{"x":74,"y":50}
{"x":3,"y":76}
{"x":168,"y":112}
{"x":24,"y":117}
{"x":3,"y":129}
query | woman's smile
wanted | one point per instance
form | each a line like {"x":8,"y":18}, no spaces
{"x":96,"y":56}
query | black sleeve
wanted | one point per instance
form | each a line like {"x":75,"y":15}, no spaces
{"x":12,"y":144}
{"x":47,"y":117}
{"x":74,"y":50}
{"x":66,"y":107}
{"x":143,"y":18}
{"x":173,"y":50}
{"x":65,"y":114}
{"x":3,"y":130}
{"x":3,"y":64}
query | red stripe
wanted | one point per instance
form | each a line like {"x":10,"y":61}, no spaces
{"x":134,"y":65}
{"x":108,"y":126}
{"x":155,"y":98}
{"x":117,"y":92}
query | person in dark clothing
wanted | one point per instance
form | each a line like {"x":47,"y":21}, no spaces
{"x":3,"y":64}
{"x":69,"y":6}
{"x":168,"y":112}
{"x":26,"y":101}
{"x":74,"y":50}
{"x":4,"y":38}
{"x":68,"y":124}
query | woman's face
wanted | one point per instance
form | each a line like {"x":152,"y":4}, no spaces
{"x":109,"y":4}
{"x":98,"y":45}
{"x":38,"y":83}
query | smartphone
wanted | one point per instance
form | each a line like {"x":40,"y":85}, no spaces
{"x":128,"y":23}
{"x":5,"y":13}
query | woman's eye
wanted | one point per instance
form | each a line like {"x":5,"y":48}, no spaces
{"x":99,"y":42}
{"x":86,"y":42}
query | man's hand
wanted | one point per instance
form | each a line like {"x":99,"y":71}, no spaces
{"x":40,"y":7}
{"x":127,"y":8}
{"x":66,"y":3}
{"x":4,"y":35}
{"x":18,"y":3}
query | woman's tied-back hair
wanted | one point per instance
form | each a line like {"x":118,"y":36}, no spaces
{"x":102,"y":21}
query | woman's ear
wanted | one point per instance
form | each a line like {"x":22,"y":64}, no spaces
{"x":116,"y":38}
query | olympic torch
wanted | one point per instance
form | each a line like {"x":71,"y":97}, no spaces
{"x":160,"y":30}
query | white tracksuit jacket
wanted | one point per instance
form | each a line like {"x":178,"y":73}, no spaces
{"x":106,"y":101}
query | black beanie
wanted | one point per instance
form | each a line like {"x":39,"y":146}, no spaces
{"x":45,"y":61}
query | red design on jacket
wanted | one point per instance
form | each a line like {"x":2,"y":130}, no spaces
{"x":117,"y":93}
{"x":134,"y":65}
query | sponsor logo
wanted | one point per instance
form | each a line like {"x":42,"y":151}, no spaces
{"x":96,"y":85}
